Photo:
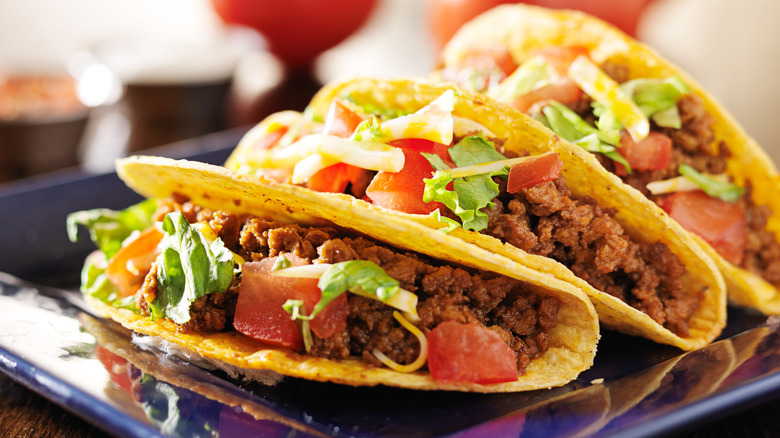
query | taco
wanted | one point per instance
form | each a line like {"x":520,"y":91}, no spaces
{"x":253,"y":277}
{"x":645,"y":120}
{"x":463,"y":163}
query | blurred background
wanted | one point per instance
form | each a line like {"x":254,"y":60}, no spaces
{"x":85,"y":81}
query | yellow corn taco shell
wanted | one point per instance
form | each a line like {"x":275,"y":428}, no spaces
{"x":640,"y":218}
{"x":572,"y":343}
{"x":521,"y":29}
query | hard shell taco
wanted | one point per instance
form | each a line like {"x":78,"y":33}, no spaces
{"x":440,"y":156}
{"x":645,"y":120}
{"x":264,"y":279}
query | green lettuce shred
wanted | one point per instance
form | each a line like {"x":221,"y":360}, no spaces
{"x":657,"y":98}
{"x":361,"y":277}
{"x":717,"y":189}
{"x":470,"y":194}
{"x":188,"y":268}
{"x":95,"y":282}
{"x":109,"y":228}
{"x":602,"y":139}
{"x":384,"y":113}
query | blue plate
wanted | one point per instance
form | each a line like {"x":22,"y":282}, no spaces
{"x":50,"y":343}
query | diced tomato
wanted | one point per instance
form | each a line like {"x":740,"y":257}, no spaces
{"x":270,"y":139}
{"x":403,"y":191}
{"x":281,"y":175}
{"x":341,"y":121}
{"x":652,"y":153}
{"x":118,"y":368}
{"x":560,"y":57}
{"x":335,"y":178}
{"x":139,"y":255}
{"x":259,"y":312}
{"x":720,"y":223}
{"x":561,"y":88}
{"x":267,"y":142}
{"x":482,"y":67}
{"x":493,"y":57}
{"x":533,"y":171}
{"x":469,"y":353}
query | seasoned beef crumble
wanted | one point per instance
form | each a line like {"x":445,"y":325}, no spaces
{"x":693,"y":145}
{"x":545,"y":220}
{"x":522,"y":318}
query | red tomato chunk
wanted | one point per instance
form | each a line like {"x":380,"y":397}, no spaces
{"x":469,"y":353}
{"x":259,"y":312}
{"x":403,"y":191}
{"x":720,"y":223}
{"x":561,"y":87}
{"x":341,"y":121}
{"x":533,"y":171}
{"x":652,"y":153}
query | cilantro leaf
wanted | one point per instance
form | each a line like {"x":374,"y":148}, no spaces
{"x":717,"y":189}
{"x":188,"y":269}
{"x":109,"y":228}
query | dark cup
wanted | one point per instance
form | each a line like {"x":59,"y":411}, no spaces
{"x":34,"y":146}
{"x":168,"y":112}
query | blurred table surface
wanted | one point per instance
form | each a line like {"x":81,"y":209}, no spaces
{"x":24,"y":413}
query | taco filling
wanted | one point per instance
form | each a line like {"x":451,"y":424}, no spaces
{"x":431,"y":162}
{"x":320,"y":291}
{"x":653,"y":133}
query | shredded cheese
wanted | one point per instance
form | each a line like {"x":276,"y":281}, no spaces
{"x":421,"y":358}
{"x":433,"y":122}
{"x":680,"y":184}
{"x":303,"y":271}
{"x":464,"y":126}
{"x":604,"y":90}
{"x":482,"y":168}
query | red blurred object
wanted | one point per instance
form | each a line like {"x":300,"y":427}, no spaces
{"x":447,"y":16}
{"x":297,"y":30}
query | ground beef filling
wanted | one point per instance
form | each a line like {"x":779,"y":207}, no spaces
{"x":578,"y":233}
{"x":692,"y":145}
{"x":522,"y":318}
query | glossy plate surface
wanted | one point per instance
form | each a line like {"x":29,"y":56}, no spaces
{"x":51,"y":343}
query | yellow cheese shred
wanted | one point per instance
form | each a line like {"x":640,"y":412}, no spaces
{"x":421,"y":359}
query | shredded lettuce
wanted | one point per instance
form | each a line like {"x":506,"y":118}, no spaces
{"x":717,"y":189}
{"x":109,"y":228}
{"x":281,"y":263}
{"x":657,"y":98}
{"x":187,"y":269}
{"x":571,"y":127}
{"x":470,"y":194}
{"x":384,"y":113}
{"x":531,"y":75}
{"x":369,"y":130}
{"x":361,"y":277}
{"x":95,"y":282}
